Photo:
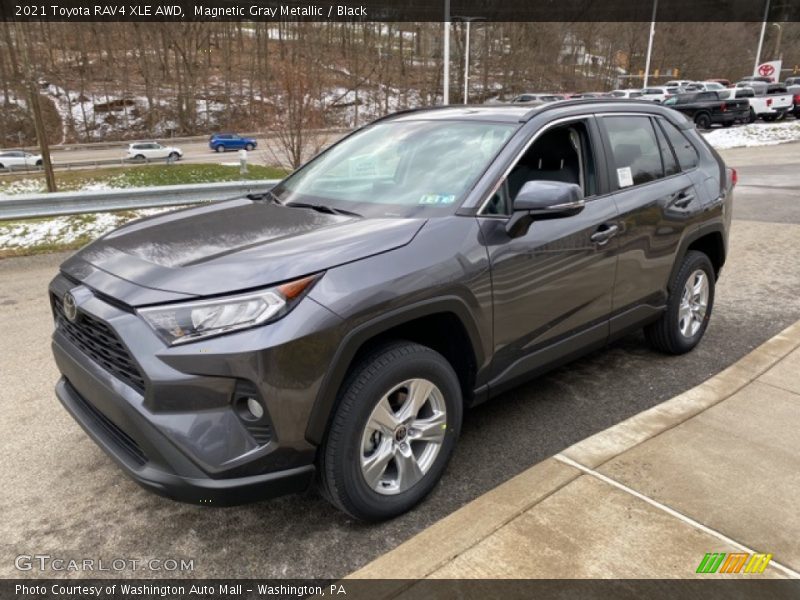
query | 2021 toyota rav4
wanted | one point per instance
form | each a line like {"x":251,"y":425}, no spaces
{"x":336,"y":328}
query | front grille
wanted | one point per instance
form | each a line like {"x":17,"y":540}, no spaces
{"x":99,"y":342}
{"x":113,"y":433}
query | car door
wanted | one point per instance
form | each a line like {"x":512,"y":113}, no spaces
{"x":551,"y":284}
{"x":656,"y":201}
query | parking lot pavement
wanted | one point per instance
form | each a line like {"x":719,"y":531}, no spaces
{"x":62,"y":496}
{"x":651,"y":497}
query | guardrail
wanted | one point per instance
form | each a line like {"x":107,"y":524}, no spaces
{"x":30,"y":206}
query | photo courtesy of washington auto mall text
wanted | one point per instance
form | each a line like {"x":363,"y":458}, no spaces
{"x":456,"y":299}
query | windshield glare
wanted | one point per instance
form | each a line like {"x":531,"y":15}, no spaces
{"x":401,"y":168}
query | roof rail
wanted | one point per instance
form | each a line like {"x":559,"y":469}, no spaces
{"x":406,"y":111}
{"x":579,"y":101}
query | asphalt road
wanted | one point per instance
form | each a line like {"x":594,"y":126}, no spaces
{"x":63,"y":497}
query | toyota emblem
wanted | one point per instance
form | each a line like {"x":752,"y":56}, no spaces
{"x":70,"y":308}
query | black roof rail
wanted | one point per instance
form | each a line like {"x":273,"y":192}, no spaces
{"x":406,"y":111}
{"x":580,"y":101}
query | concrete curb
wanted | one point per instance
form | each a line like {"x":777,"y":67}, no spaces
{"x":444,"y":540}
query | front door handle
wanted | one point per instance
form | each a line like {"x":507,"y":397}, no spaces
{"x":604,"y":233}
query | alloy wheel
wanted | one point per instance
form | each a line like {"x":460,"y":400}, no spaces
{"x":403,"y":436}
{"x":694,"y":304}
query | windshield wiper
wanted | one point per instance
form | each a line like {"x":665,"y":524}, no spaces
{"x":324,"y":208}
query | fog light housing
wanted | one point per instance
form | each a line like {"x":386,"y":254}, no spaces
{"x":255,"y":408}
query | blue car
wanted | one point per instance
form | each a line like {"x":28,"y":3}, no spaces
{"x":220,"y":142}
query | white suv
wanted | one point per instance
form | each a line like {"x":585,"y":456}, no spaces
{"x":153,"y":151}
{"x":19,"y":159}
{"x":658,"y":94}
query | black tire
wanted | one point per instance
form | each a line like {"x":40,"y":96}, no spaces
{"x":727,"y":123}
{"x":174,"y":156}
{"x":752,"y":117}
{"x":249,"y":147}
{"x":703,"y":121}
{"x":1,"y":166}
{"x":340,"y":476}
{"x":219,"y":148}
{"x":768,"y":118}
{"x":665,"y":335}
{"x":39,"y":163}
{"x":139,"y":157}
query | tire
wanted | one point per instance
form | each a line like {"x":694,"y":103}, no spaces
{"x":727,"y":124}
{"x":139,"y":157}
{"x":357,"y":433}
{"x":174,"y":156}
{"x":768,"y":118}
{"x":39,"y":163}
{"x":703,"y":121}
{"x":218,"y":148}
{"x":752,"y":117}
{"x":249,"y":147}
{"x":2,"y":166}
{"x":670,"y":333}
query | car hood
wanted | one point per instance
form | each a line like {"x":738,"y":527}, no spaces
{"x":227,"y":247}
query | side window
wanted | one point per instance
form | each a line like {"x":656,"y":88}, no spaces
{"x":562,"y":153}
{"x":634,"y":150}
{"x":684,"y":151}
{"x":670,"y":163}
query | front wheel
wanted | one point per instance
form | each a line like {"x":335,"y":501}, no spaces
{"x":219,"y":148}
{"x":249,"y":147}
{"x":393,"y":432}
{"x":689,"y":305}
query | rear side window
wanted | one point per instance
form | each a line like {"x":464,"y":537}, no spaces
{"x":634,"y":150}
{"x":667,"y":156}
{"x":684,"y":151}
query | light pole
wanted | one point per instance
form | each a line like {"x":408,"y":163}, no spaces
{"x":650,"y":45}
{"x":446,"y":55}
{"x":761,"y":38}
{"x":468,"y":21}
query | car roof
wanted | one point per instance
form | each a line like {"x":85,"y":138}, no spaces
{"x":515,"y":113}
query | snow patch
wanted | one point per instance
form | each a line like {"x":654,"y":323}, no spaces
{"x":754,"y":134}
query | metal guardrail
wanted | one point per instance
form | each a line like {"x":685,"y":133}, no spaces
{"x":30,"y":206}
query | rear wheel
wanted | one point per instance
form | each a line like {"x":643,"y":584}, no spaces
{"x":139,"y":157}
{"x":768,"y":118}
{"x":218,"y":148}
{"x":703,"y":121}
{"x":174,"y":156}
{"x":689,"y":306}
{"x":249,"y":147}
{"x":393,"y":432}
{"x":38,"y":163}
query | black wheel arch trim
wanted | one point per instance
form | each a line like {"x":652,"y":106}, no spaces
{"x":701,"y":231}
{"x":325,"y":402}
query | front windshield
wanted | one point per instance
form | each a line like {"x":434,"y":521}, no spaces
{"x":399,"y":168}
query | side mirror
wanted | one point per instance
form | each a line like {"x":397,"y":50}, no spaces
{"x":544,"y":200}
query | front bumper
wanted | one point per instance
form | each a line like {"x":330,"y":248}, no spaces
{"x":169,"y":415}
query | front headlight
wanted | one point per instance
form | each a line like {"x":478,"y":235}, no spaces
{"x":189,"y":321}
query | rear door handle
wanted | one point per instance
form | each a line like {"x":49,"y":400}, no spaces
{"x":684,"y":199}
{"x":604,"y":233}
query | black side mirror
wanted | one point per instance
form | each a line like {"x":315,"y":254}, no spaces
{"x":544,"y":200}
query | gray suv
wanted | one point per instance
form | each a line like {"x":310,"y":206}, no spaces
{"x":335,"y":329}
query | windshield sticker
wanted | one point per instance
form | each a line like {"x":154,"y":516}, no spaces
{"x":437,"y":199}
{"x":625,"y":177}
{"x":363,"y":166}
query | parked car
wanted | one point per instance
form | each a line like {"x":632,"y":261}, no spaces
{"x":769,"y":102}
{"x":336,"y":328}
{"x":153,"y":151}
{"x":659,"y":94}
{"x":679,"y":83}
{"x":19,"y":159}
{"x":704,"y":86}
{"x":624,"y":94}
{"x":537,"y":97}
{"x":723,"y":82}
{"x":219,"y":142}
{"x":757,"y":79}
{"x":794,"y":90}
{"x":707,"y":108}
{"x":579,"y":95}
{"x":791,"y":81}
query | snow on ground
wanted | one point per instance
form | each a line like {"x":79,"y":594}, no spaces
{"x":755,"y":134}
{"x":66,"y":230}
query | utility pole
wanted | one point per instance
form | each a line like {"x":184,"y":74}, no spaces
{"x":36,"y":109}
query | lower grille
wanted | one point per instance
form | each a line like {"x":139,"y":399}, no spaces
{"x":113,"y":433}
{"x":99,"y":342}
